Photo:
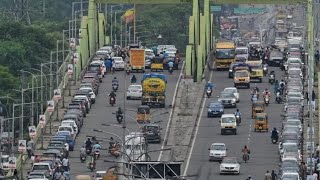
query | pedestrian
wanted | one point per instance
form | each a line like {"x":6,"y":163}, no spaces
{"x":274,"y":175}
{"x":313,"y":101}
{"x":315,"y":176}
{"x":30,"y":145}
{"x":65,"y":164}
{"x":267,"y":176}
{"x":276,"y":86}
{"x":66,"y":175}
{"x":307,"y":97}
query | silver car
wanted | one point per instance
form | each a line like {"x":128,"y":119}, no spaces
{"x":228,"y":99}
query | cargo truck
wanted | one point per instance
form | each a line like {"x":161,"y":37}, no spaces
{"x":153,"y":90}
{"x":224,"y":55}
{"x":242,"y":75}
{"x":137,"y":59}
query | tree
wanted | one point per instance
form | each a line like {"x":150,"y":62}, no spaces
{"x":7,"y":80}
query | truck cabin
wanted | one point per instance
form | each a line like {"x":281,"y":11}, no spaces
{"x":225,"y":51}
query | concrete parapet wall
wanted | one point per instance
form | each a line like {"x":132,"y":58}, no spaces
{"x":185,"y":114}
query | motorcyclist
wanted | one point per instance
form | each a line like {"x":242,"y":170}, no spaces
{"x":274,"y":134}
{"x":111,"y":143}
{"x":246,"y":150}
{"x":96,"y":147}
{"x":113,"y":95}
{"x":133,"y":79}
{"x":209,"y":85}
{"x":88,"y":144}
{"x":278,"y":96}
{"x":115,"y":81}
{"x":266,"y":92}
{"x":119,"y":112}
{"x":170,"y":64}
{"x":82,"y":151}
{"x":282,"y":85}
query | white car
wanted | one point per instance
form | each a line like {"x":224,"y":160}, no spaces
{"x":134,"y":91}
{"x":99,"y":175}
{"x":295,"y":94}
{"x":234,"y":90}
{"x":83,"y":97}
{"x":217,"y":151}
{"x":230,"y":165}
{"x":68,"y":128}
{"x":295,"y":71}
{"x":119,"y":63}
{"x":71,"y":123}
{"x":290,"y":176}
{"x":294,"y":122}
{"x":171,"y":52}
{"x":149,"y":53}
{"x":92,"y":94}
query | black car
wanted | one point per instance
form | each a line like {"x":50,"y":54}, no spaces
{"x":215,"y":109}
{"x":152,"y":132}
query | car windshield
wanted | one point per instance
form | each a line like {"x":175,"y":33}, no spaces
{"x":292,"y":148}
{"x":294,"y":61}
{"x":289,"y":163}
{"x":290,"y":177}
{"x":135,"y":87}
{"x":297,"y":123}
{"x":294,"y":94}
{"x":93,"y":68}
{"x":40,"y":167}
{"x":216,"y":105}
{"x":152,"y":128}
{"x":241,"y":51}
{"x":229,"y":160}
{"x":218,"y":147}
{"x":228,"y":119}
{"x":294,"y":71}
{"x":225,"y":53}
{"x":256,"y":66}
{"x":149,"y":53}
{"x":293,"y":100}
{"x":230,"y":90}
{"x":241,"y":74}
{"x":226,"y":95}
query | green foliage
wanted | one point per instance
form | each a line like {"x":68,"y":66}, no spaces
{"x":171,"y":21}
{"x":7,"y":80}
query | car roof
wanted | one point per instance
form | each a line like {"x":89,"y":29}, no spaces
{"x":231,"y":88}
{"x":218,"y":144}
{"x":227,"y":115}
{"x":101,"y":172}
{"x":42,"y":163}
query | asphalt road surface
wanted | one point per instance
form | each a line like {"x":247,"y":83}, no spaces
{"x":101,"y":113}
{"x":264,"y":155}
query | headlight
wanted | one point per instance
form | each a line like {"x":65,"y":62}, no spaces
{"x":265,"y":68}
{"x":219,"y":100}
{"x":230,"y":70}
{"x":209,"y":110}
{"x":233,"y":100}
{"x":221,"y":110}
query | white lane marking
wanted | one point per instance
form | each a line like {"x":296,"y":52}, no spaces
{"x":249,"y":135}
{"x":171,"y":112}
{"x":196,"y":133}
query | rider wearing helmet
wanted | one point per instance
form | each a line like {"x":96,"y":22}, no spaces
{"x":133,"y":79}
{"x":209,"y":85}
{"x":88,"y":143}
{"x":274,"y":134}
{"x":266,"y":92}
{"x":246,"y":150}
{"x":237,"y":113}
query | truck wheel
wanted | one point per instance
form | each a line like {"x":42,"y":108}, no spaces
{"x":260,"y":80}
{"x":235,"y":85}
{"x":235,"y":132}
{"x":248,"y":86}
{"x":222,"y":132}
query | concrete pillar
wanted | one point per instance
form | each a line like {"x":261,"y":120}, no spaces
{"x":101,"y":25}
{"x":318,"y":118}
{"x":191,"y":30}
{"x":199,"y":64}
{"x":188,"y":60}
{"x":107,"y":40}
{"x":212,"y":32}
{"x":91,"y":26}
{"x":207,"y":24}
{"x":196,"y":15}
{"x":203,"y":39}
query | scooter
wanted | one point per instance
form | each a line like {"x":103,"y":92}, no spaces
{"x":83,"y":157}
{"x":88,"y":151}
{"x":128,"y":71}
{"x":114,"y":150}
{"x":278,"y":100}
{"x":238,"y":120}
{"x":266,"y":100}
{"x":92,"y":166}
{"x":209,"y":92}
{"x":170,"y":70}
{"x":274,"y":140}
{"x":112,"y":101}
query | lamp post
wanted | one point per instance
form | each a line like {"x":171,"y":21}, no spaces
{"x":73,"y":14}
{"x":115,"y":22}
{"x":111,"y":27}
{"x":41,"y":84}
{"x":32,"y":96}
{"x":130,"y":27}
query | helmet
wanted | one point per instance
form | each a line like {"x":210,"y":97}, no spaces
{"x":115,"y":78}
{"x":237,"y":109}
{"x":88,"y":139}
{"x":274,"y":129}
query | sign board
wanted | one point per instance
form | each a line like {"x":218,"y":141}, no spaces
{"x":57,"y":94}
{"x":22,"y":146}
{"x":70,"y":68}
{"x":50,"y":106}
{"x":72,"y":42}
{"x":75,"y":57}
{"x":215,"y":8}
{"x":249,"y":10}
{"x":12,"y":163}
{"x":32,"y":131}
{"x":286,"y":2}
{"x":42,"y":120}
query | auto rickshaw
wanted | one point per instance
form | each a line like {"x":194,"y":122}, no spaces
{"x":261,"y":122}
{"x":143,"y":114}
{"x":157,"y":64}
{"x":257,"y":107}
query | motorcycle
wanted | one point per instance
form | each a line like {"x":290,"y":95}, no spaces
{"x":265,"y":69}
{"x":119,"y":118}
{"x":238,"y":120}
{"x":245,"y":157}
{"x":83,"y":157}
{"x":278,"y":100}
{"x":114,"y":150}
{"x":88,"y":151}
{"x":92,"y":166}
{"x":209,"y":92}
{"x":170,"y":70}
{"x":96,"y":154}
{"x":266,"y":99}
{"x":274,"y":140}
{"x":112,"y":101}
{"x":115,"y":87}
{"x":271,"y":79}
{"x":128,"y":71}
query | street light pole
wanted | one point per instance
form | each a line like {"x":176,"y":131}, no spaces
{"x":115,"y":22}
{"x":32,"y":96}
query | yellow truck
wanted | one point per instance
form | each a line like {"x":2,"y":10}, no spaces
{"x":137,"y":59}
{"x":224,"y":54}
{"x":241,"y":76}
{"x":256,"y":67}
{"x":153,"y":90}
